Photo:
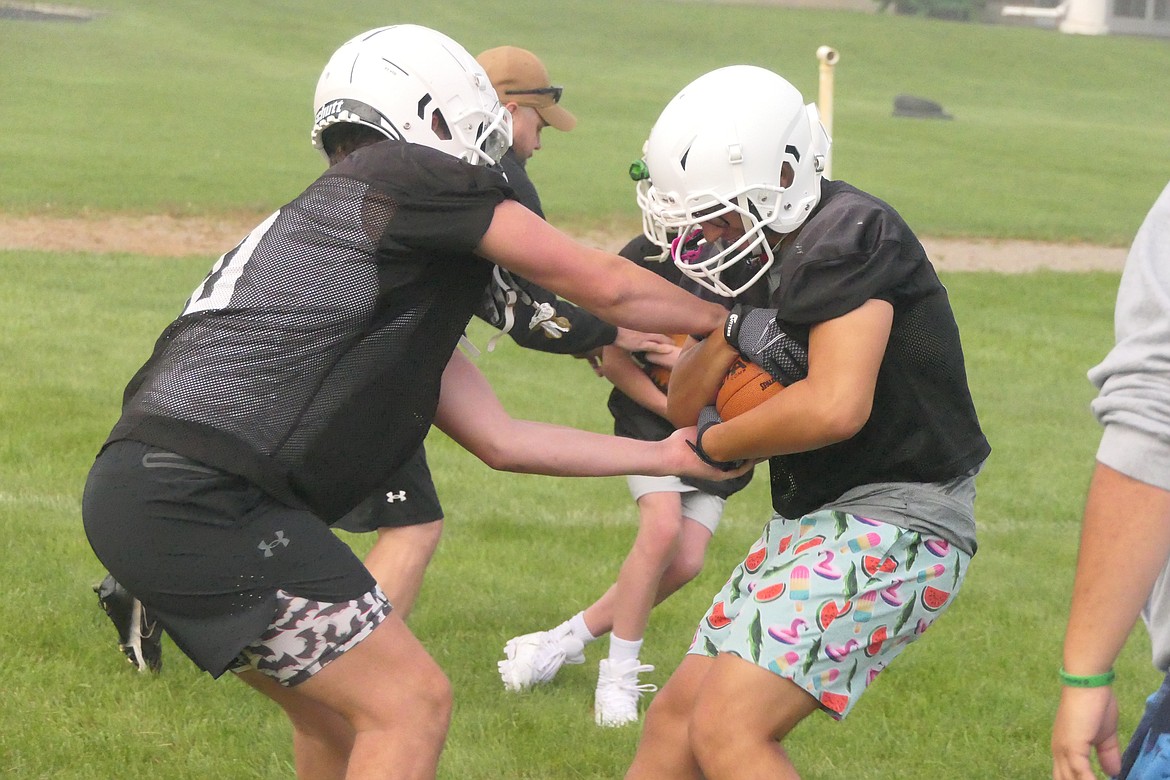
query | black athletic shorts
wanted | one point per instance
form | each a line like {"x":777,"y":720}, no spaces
{"x":206,"y":551}
{"x":409,"y":499}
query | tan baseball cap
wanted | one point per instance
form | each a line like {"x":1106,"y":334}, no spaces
{"x":521,"y":78}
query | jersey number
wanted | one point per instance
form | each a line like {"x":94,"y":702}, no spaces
{"x":215,"y":291}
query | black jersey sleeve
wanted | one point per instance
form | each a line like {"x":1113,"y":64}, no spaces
{"x":535,"y":318}
{"x":423,"y":199}
{"x":853,"y":251}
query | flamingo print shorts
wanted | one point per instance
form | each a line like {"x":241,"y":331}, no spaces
{"x":829,"y":600}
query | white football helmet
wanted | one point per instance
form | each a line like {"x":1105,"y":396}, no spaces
{"x":394,"y":79}
{"x":721,"y":145}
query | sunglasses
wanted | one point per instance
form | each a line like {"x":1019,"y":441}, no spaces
{"x":556,"y":92}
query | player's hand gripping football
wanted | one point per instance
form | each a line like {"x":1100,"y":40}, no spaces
{"x":755,"y":334}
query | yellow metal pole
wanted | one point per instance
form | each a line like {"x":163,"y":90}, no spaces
{"x":827,"y":56}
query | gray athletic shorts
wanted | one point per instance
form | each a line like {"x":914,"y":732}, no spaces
{"x":704,"y":508}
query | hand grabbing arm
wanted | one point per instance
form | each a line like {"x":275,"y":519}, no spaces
{"x":471,"y":414}
{"x":619,"y":368}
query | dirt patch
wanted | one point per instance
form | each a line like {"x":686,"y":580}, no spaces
{"x":167,"y":236}
{"x":162,"y":236}
{"x":1021,"y":256}
{"x":40,"y":12}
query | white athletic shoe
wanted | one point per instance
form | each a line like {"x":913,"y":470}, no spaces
{"x":618,"y":691}
{"x":534,"y":659}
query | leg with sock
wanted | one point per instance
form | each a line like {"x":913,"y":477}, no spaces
{"x":618,"y":690}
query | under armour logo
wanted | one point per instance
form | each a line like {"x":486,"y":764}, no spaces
{"x":267,"y":547}
{"x":393,"y":496}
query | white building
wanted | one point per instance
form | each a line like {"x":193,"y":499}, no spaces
{"x":1102,"y":17}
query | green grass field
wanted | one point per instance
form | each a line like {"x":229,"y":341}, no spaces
{"x":202,"y":108}
{"x":196,"y":106}
{"x":523,"y":552}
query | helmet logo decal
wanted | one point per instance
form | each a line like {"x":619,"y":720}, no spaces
{"x":329,"y":109}
{"x":346,"y":110}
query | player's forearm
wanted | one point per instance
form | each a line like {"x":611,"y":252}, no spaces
{"x":798,"y":419}
{"x":540,"y":448}
{"x":620,"y":369}
{"x":471,"y":414}
{"x":531,"y":447}
{"x":696,"y":378}
{"x":642,"y":300}
{"x":1125,"y":541}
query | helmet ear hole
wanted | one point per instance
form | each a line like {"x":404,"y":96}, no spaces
{"x":439,"y":126}
{"x":787,"y":175}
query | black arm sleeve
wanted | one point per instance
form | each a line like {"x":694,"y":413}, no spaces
{"x":537,"y":319}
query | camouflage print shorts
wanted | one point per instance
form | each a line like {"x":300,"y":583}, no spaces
{"x":306,"y":635}
{"x":829,"y":600}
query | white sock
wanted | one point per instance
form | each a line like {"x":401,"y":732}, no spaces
{"x":576,"y":628}
{"x":623,"y":649}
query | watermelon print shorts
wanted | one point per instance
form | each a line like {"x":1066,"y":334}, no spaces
{"x":829,"y":600}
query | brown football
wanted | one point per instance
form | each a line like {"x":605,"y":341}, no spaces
{"x":746,"y":386}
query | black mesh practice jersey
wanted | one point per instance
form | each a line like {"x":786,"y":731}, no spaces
{"x":923,"y":427}
{"x":309,"y":360}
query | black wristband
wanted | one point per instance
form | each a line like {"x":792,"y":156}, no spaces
{"x":707,"y":418}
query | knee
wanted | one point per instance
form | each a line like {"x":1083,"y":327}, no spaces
{"x":420,"y":702}
{"x":660,"y":537}
{"x":711,"y":741}
{"x":686,"y":565}
{"x":435,"y":698}
{"x":430,"y":719}
{"x":668,"y":712}
{"x":321,"y":726}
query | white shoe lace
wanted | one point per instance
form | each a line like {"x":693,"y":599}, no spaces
{"x":618,"y":692}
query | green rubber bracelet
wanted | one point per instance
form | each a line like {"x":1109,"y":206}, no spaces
{"x":1087,"y":680}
